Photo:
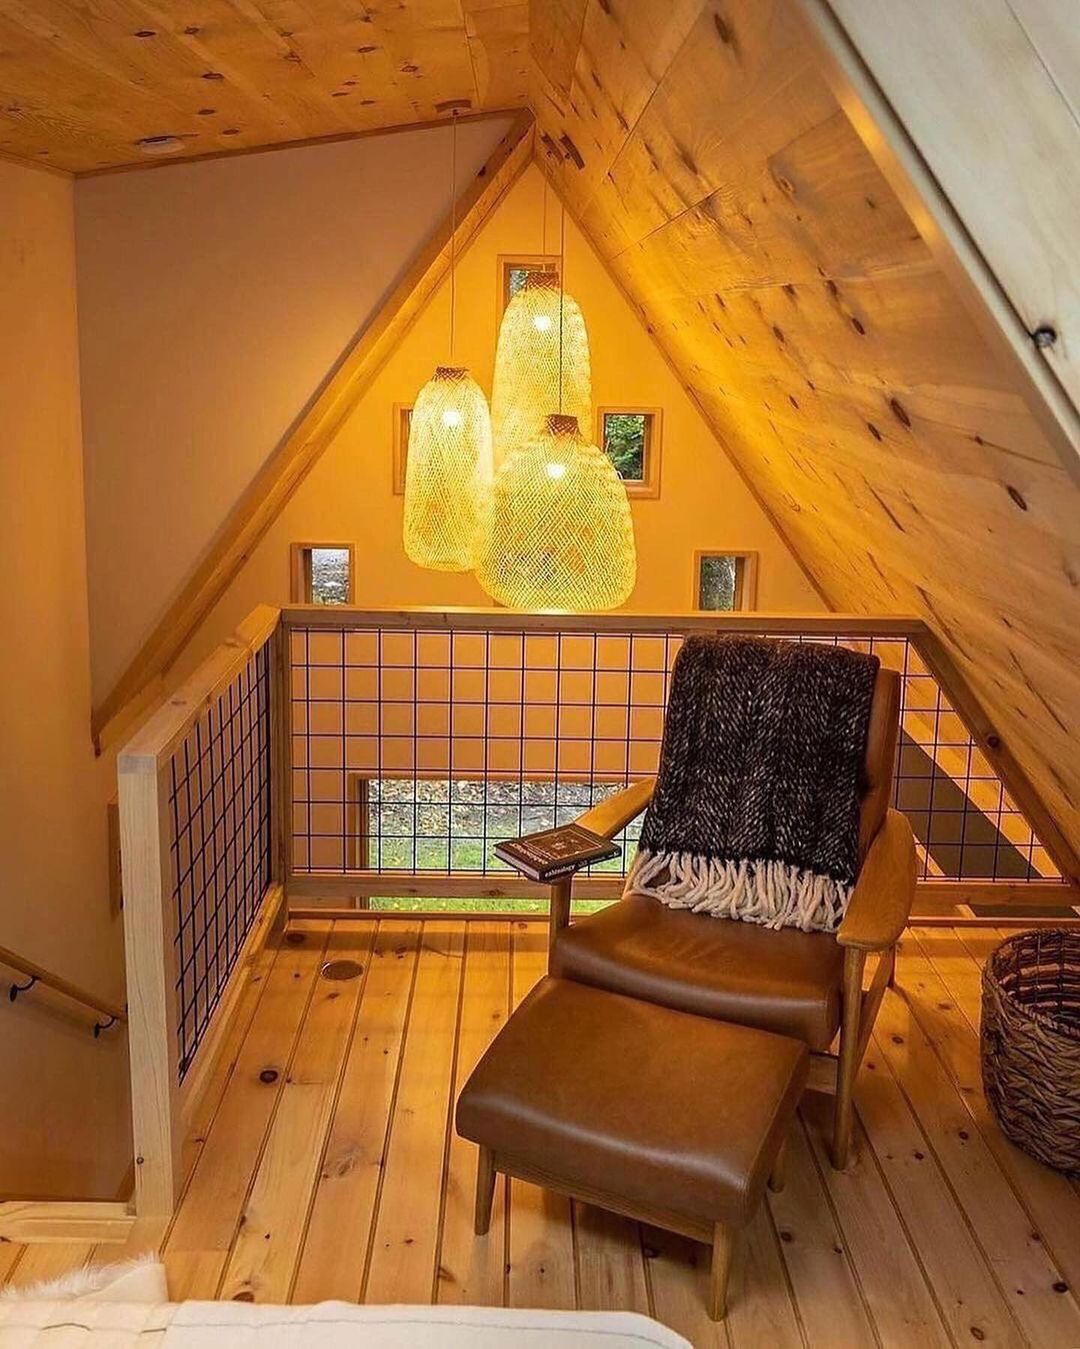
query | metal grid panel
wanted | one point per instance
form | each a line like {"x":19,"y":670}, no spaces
{"x":414,"y":751}
{"x":219,"y":804}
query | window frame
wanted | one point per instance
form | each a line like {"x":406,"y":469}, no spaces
{"x":508,"y":261}
{"x":402,"y":420}
{"x":300,"y":571}
{"x":746,"y":577}
{"x":648,"y":486}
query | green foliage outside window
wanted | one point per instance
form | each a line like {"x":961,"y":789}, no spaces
{"x":718,"y":582}
{"x":624,"y":443}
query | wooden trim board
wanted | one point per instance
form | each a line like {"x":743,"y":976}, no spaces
{"x":32,"y":1221}
{"x":301,"y":449}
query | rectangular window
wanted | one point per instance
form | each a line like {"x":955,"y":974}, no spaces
{"x":724,"y":582}
{"x":514,"y":270}
{"x":402,"y":426}
{"x":630,"y":437}
{"x":452,"y":825}
{"x":322,"y":573}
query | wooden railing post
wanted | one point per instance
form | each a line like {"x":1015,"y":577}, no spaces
{"x":151,"y":921}
{"x":151,"y":982}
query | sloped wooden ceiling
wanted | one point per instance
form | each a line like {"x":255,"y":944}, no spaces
{"x":713,"y":167}
{"x":81,"y":85}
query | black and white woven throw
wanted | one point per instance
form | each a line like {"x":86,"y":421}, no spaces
{"x":755,"y":814}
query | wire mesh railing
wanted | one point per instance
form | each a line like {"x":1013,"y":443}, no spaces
{"x":416,"y":747}
{"x":220,"y":831}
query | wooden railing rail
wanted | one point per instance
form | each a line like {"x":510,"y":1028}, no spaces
{"x":147,"y":811}
{"x":340,"y":616}
{"x":110,"y":1012}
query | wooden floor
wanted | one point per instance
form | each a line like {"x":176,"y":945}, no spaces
{"x":324,"y":1165}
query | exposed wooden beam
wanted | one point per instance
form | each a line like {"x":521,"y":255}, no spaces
{"x":988,"y":254}
{"x":994,"y":157}
{"x":305,"y":443}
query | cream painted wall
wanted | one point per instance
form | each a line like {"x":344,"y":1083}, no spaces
{"x":65,"y":1130}
{"x":213,"y":298}
{"x":703,"y":503}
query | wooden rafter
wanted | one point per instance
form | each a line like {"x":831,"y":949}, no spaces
{"x":305,"y":443}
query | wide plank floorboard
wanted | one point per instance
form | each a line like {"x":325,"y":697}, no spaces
{"x":328,"y":1167}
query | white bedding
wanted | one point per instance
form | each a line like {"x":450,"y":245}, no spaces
{"x":96,"y":1320}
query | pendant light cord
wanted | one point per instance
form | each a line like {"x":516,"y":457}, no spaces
{"x":453,"y":227}
{"x":562,"y":295}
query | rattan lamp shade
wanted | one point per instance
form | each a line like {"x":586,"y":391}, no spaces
{"x":448,"y":471}
{"x":557,"y":531}
{"x":528,"y":358}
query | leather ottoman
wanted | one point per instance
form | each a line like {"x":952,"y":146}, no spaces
{"x":669,"y":1118}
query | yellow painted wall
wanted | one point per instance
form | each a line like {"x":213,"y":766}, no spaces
{"x":65,"y":1129}
{"x":703,"y":503}
{"x":213,"y":298}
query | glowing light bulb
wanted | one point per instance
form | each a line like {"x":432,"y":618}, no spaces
{"x":452,"y":417}
{"x":542,"y":323}
{"x":555,"y":471}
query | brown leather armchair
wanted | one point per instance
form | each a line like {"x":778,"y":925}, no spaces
{"x":808,"y":985}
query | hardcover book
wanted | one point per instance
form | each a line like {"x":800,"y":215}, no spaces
{"x":556,"y":852}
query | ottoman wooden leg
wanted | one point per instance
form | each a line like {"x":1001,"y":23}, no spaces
{"x":485,"y":1189}
{"x":723,"y":1243}
{"x":778,"y":1174}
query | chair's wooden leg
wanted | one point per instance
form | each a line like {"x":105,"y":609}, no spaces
{"x":722,"y":1247}
{"x":850,"y":1028}
{"x":891,"y":958}
{"x":485,"y":1189}
{"x":778,"y":1174}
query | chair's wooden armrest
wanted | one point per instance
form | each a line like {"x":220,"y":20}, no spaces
{"x":881,"y":902}
{"x":608,"y":818}
{"x":611,"y":816}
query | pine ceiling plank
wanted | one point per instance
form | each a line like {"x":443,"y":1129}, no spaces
{"x":624,"y":51}
{"x":805,"y":303}
{"x":554,"y":37}
{"x":81,"y":85}
{"x":294,"y":458}
{"x":498,"y":36}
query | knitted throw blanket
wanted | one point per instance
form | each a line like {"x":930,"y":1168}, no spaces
{"x":756,"y":810}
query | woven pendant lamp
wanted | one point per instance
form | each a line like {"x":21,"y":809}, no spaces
{"x":448,"y":467}
{"x":542,"y":332}
{"x":448,"y":471}
{"x":557,"y":531}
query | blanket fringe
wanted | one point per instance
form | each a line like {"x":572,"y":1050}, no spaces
{"x":774,"y":894}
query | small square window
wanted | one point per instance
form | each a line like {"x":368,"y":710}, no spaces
{"x":724,"y":582}
{"x":514,"y":270}
{"x":322,"y":573}
{"x":630,"y":437}
{"x":402,"y":426}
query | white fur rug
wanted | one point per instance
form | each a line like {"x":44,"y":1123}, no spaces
{"x":141,"y":1280}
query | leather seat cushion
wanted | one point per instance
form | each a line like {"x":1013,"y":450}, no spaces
{"x":788,"y":982}
{"x":604,"y":1095}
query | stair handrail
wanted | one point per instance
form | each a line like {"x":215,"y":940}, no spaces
{"x":111,"y":1012}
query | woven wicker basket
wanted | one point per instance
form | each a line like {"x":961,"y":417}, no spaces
{"x":1031,"y":1043}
